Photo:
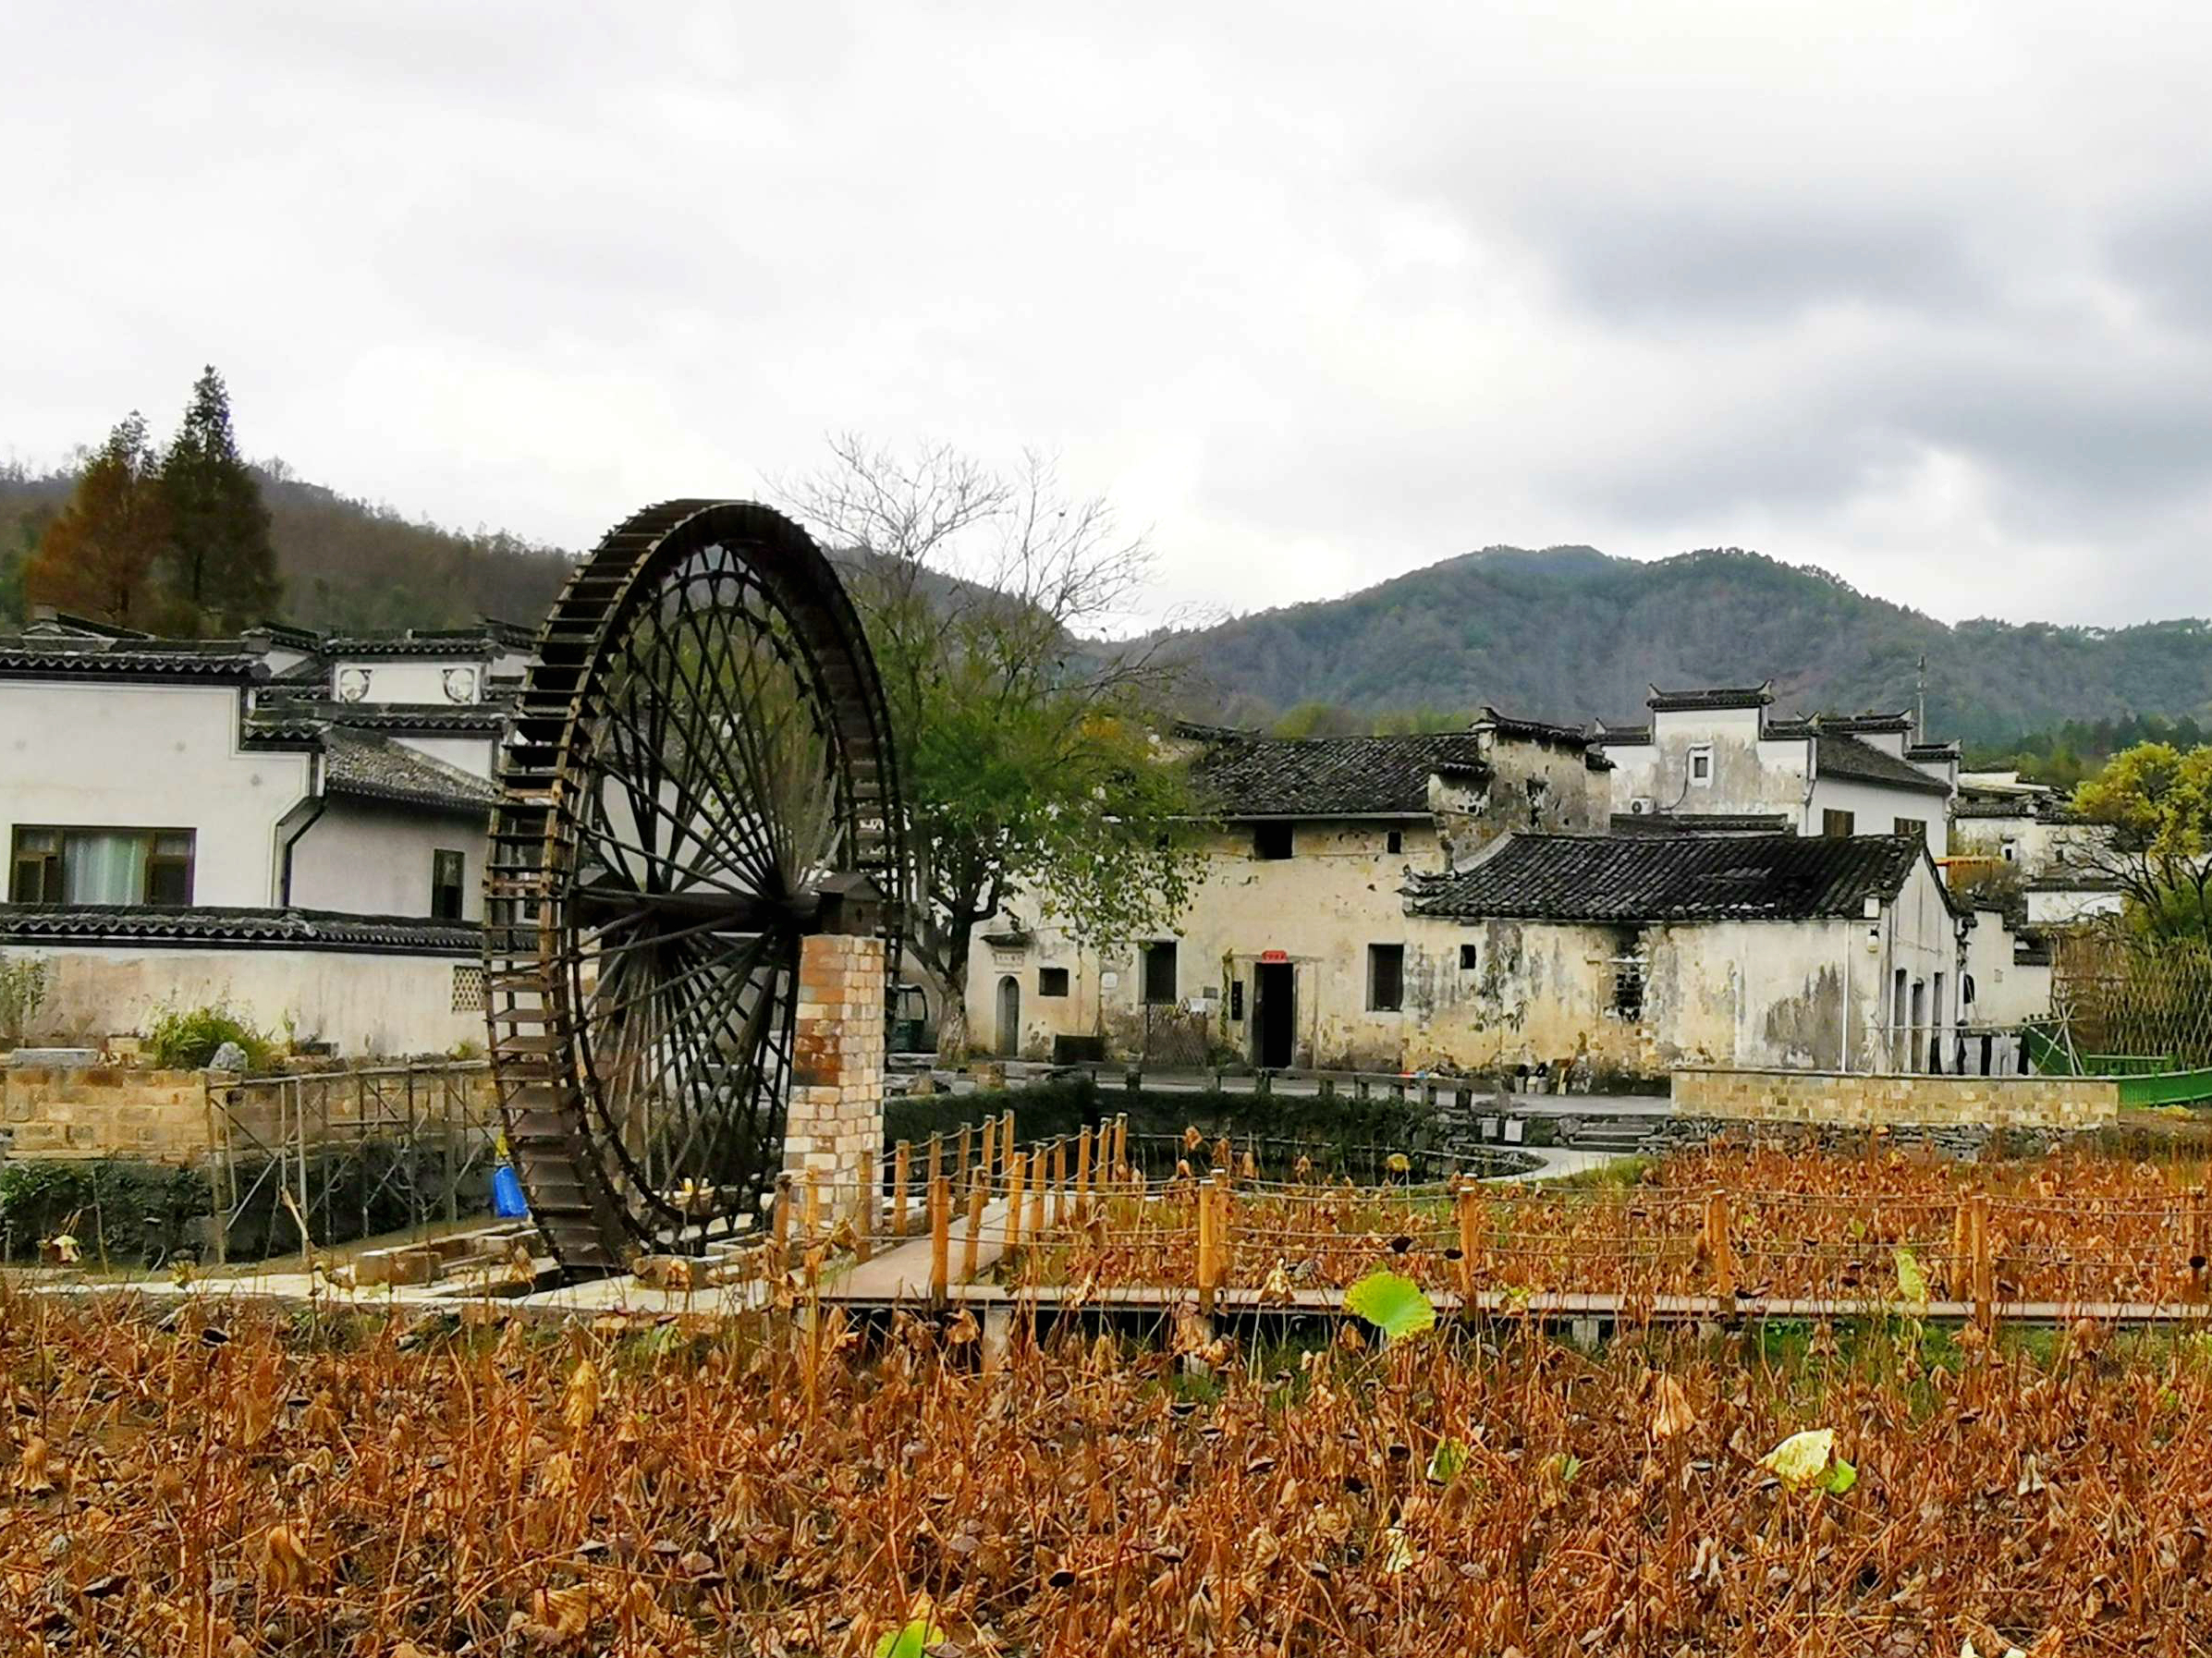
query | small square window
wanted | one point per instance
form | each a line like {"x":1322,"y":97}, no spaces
{"x":1700,"y":764}
{"x":1386,"y":977}
{"x":1395,"y":841}
{"x":448,"y":874}
{"x":1271,"y":841}
{"x":1906,"y":826}
{"x":1052,"y":981}
{"x":1469,"y":958}
{"x":1838,"y":825}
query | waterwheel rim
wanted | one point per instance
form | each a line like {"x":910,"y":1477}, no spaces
{"x":700,"y":753}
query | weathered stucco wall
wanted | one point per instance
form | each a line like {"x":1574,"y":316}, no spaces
{"x":1322,"y":906}
{"x":1749,"y":775}
{"x":2006,"y":992}
{"x":361,"y":1003}
{"x":2060,"y":1103}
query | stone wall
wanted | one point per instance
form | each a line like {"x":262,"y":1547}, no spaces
{"x":2060,"y":1104}
{"x":835,"y":1122}
{"x":105,"y":1111}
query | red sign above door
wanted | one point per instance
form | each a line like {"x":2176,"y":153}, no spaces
{"x":1274,"y":955}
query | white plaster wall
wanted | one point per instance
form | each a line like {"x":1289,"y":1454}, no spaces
{"x":2064,"y":905}
{"x":1874,"y":808}
{"x":2005,"y":992}
{"x":2040,"y":848}
{"x":1751,"y":773}
{"x":409,"y":678}
{"x":469,"y":754}
{"x":364,"y":858}
{"x":365,"y":1003}
{"x":149,"y":756}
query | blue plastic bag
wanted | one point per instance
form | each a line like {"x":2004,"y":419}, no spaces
{"x":506,"y":1194}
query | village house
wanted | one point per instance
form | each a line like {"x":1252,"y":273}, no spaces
{"x":1520,"y":895}
{"x":285,"y":823}
{"x":1721,"y":753}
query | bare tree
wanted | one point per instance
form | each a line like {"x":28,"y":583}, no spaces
{"x":1026,"y":747}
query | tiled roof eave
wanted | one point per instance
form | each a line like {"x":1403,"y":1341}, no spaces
{"x":238,"y":928}
{"x":459,"y":804}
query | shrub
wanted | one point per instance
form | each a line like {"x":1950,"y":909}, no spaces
{"x":185,"y":1038}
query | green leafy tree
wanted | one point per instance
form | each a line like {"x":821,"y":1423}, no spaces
{"x":98,"y":556}
{"x":2156,"y":801}
{"x":1026,"y":749}
{"x":222,"y":564}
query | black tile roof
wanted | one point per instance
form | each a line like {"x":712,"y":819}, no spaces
{"x":367,"y":765}
{"x":1332,"y":777}
{"x":487,"y":641}
{"x":1638,"y":879}
{"x":425,"y":719}
{"x":1710,"y":697}
{"x":1625,"y":737}
{"x":170,"y":662}
{"x":1700,"y":823}
{"x":1838,"y":755}
{"x":259,"y":928}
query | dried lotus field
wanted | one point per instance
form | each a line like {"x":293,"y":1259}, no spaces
{"x":2068,"y":1229}
{"x":218,"y":1480}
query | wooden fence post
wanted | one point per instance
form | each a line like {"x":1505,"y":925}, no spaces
{"x":1984,"y":1268}
{"x":814,"y":1205}
{"x":986,"y":1160}
{"x":1224,"y":1226}
{"x":976,"y":1226}
{"x":940,"y":1238}
{"x":867,"y":1211}
{"x":1059,"y":1182}
{"x":1207,"y":1271}
{"x":779,"y":1224}
{"x":1462,"y":1204}
{"x":902,"y":1170}
{"x":1016,"y":1170}
{"x":1720,"y":1248}
{"x":960,"y":1168}
{"x":1039,"y":1177}
{"x":1082,"y":1176}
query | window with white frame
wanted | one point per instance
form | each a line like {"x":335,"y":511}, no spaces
{"x":1701,"y":765}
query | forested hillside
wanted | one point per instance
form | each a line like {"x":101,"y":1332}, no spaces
{"x":1566,"y":633}
{"x":1570,"y":633}
{"x":345,"y":564}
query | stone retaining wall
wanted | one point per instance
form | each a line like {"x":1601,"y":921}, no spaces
{"x":2061,"y":1104}
{"x":105,"y":1111}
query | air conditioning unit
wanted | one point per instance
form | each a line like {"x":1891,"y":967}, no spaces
{"x":1641,"y":806}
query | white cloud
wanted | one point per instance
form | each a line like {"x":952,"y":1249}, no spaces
{"x":1912,"y":291}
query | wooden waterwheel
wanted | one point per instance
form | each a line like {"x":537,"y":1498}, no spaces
{"x":699,"y":766}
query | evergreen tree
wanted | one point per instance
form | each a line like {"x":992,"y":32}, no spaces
{"x":222,"y":562}
{"x":98,"y":557}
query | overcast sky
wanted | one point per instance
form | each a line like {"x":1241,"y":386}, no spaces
{"x":1922,"y":293}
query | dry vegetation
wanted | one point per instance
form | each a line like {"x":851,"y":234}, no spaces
{"x":220,"y":1482}
{"x":2068,"y":1228}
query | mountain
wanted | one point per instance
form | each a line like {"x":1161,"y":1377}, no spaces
{"x":346,"y":565}
{"x":1570,"y":633}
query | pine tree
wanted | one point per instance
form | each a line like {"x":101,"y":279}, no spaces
{"x":98,"y":557}
{"x":222,"y":564}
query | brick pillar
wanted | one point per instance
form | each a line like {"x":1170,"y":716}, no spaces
{"x":836,"y":1113}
